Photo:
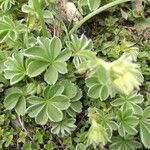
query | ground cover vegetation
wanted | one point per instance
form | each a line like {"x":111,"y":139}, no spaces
{"x":74,"y":75}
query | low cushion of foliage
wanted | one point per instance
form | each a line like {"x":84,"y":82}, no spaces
{"x":62,"y":88}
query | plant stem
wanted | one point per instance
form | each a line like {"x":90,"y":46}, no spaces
{"x":22,"y":125}
{"x":97,"y":11}
{"x":37,"y":7}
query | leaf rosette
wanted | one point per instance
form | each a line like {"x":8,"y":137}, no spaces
{"x":47,"y":56}
{"x":50,"y":106}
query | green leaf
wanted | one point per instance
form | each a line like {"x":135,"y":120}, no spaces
{"x":55,"y":48}
{"x":129,"y":102}
{"x":142,"y":24}
{"x":34,"y":110}
{"x":61,"y":102}
{"x":127,"y":123}
{"x":117,"y":102}
{"x":35,"y":68}
{"x":89,"y":55}
{"x":102,"y":74}
{"x":76,"y":106}
{"x":50,"y":107}
{"x":6,"y":5}
{"x":146,"y":113}
{"x":104,"y":119}
{"x":125,"y":143}
{"x":64,"y":127}
{"x":145,"y":134}
{"x":78,"y":44}
{"x":21,"y":106}
{"x":51,"y":75}
{"x":70,"y":89}
{"x":77,"y":96}
{"x":61,"y":67}
{"x":15,"y":68}
{"x":145,"y":127}
{"x":94,"y":4}
{"x":54,"y":90}
{"x":64,"y":55}
{"x":91,"y":81}
{"x":80,"y":146}
{"x":47,"y":54}
{"x":54,"y":113}
{"x":80,"y":48}
{"x":82,"y":3}
{"x":37,"y":53}
{"x":94,"y":91}
{"x":11,"y":100}
{"x":34,"y":100}
{"x":136,"y":98}
{"x":31,"y":88}
{"x":42,"y":116}
{"x":124,"y":14}
{"x":10,"y":30}
{"x":104,"y":92}
{"x":15,"y":98}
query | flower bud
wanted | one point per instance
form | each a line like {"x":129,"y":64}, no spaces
{"x":97,"y":135}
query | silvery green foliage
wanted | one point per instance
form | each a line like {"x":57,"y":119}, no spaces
{"x":81,"y":49}
{"x":98,"y":84}
{"x":127,"y":123}
{"x":129,"y":102}
{"x":80,"y":146}
{"x":50,"y":98}
{"x":10,"y":30}
{"x":30,"y":9}
{"x":16,"y":98}
{"x":14,"y":68}
{"x":128,"y":143}
{"x":75,"y":94}
{"x":5,"y":5}
{"x":144,"y":127}
{"x":64,"y":127}
{"x":49,"y":106}
{"x":47,"y":57}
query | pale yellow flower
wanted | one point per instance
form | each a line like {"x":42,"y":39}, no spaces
{"x":96,"y":135}
{"x":125,"y":75}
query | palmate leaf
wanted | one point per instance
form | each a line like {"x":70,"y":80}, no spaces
{"x":79,"y":44}
{"x":10,"y":29}
{"x":80,"y":146}
{"x":64,"y":127}
{"x":125,"y":143}
{"x":98,"y":84}
{"x":47,"y":56}
{"x":6,"y":4}
{"x":49,"y":106}
{"x":75,"y":94}
{"x":105,"y":119}
{"x":81,"y":49}
{"x":15,"y":68}
{"x":75,"y":104}
{"x":30,"y":9}
{"x":145,"y":127}
{"x":129,"y":102}
{"x":15,"y":98}
{"x":127,"y":123}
